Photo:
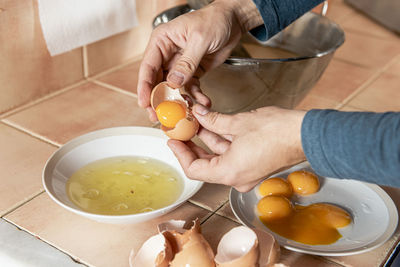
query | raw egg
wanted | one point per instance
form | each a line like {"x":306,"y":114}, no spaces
{"x":304,"y":182}
{"x":169,"y":113}
{"x":275,"y":186}
{"x":315,"y":224}
{"x":273,"y":208}
{"x":173,"y":112}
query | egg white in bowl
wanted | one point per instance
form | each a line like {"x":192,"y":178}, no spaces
{"x":108,"y":143}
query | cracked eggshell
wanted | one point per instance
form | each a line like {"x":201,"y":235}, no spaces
{"x":155,"y":252}
{"x":245,"y":247}
{"x":187,"y":127}
{"x":189,"y":246}
{"x":269,"y":248}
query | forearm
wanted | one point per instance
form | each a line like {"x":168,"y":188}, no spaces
{"x":245,"y":11}
{"x":277,"y":14}
{"x":356,"y":145}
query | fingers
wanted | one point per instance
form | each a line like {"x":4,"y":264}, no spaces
{"x":152,"y":114}
{"x":149,"y":69}
{"x":216,"y":143}
{"x":216,"y":122}
{"x":193,"y":88}
{"x":195,"y":162}
{"x":186,"y":65}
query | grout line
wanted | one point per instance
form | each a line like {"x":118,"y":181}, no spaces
{"x":33,"y":134}
{"x":367,"y":83}
{"x":39,"y":100}
{"x":85,"y":62}
{"x":75,"y":260}
{"x":120,"y":66}
{"x":21,"y":203}
{"x":112,"y":87}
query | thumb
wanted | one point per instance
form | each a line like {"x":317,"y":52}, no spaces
{"x":186,"y":65}
{"x":213,"y":121}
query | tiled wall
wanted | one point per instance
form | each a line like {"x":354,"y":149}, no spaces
{"x":27,"y":71}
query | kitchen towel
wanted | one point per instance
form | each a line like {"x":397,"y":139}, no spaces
{"x":68,"y":24}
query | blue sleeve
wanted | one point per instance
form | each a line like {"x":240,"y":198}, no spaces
{"x":277,"y":14}
{"x":356,"y":145}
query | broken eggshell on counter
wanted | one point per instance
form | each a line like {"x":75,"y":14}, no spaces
{"x":240,"y":247}
{"x":186,"y":128}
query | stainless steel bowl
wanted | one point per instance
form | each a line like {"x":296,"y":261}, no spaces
{"x":279,"y":72}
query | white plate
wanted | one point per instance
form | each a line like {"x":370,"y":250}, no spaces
{"x":374,"y":214}
{"x":112,"y":142}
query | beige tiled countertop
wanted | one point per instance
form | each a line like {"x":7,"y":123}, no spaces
{"x":363,"y":75}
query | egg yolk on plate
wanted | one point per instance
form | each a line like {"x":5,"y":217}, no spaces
{"x":169,"y":113}
{"x":273,"y":208}
{"x":275,"y":186}
{"x":304,"y":182}
{"x":315,"y":224}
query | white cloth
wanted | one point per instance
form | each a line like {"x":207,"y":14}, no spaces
{"x":68,"y":24}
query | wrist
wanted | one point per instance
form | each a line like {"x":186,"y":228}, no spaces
{"x":245,"y":12}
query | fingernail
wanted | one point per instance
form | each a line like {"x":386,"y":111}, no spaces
{"x":201,"y":110}
{"x":176,"y":77}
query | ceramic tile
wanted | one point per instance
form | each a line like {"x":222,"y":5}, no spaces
{"x":350,"y":108}
{"x":214,"y":234}
{"x":296,"y":259}
{"x":382,"y":95}
{"x":367,"y":51}
{"x":211,"y":196}
{"x":340,"y":80}
{"x":119,"y":48}
{"x":22,"y":158}
{"x":226,"y":211}
{"x":339,"y":11}
{"x":395,"y":67}
{"x":80,"y":110}
{"x":28,"y":71}
{"x":125,"y":78}
{"x":34,"y":252}
{"x":87,"y":241}
{"x":312,"y":101}
{"x":358,"y":22}
{"x":378,"y":256}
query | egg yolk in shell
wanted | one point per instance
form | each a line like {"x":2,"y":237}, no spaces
{"x":169,"y":113}
{"x":315,"y":224}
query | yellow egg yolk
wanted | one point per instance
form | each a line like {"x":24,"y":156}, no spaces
{"x":315,"y":224}
{"x":304,"y":182}
{"x":273,"y":208}
{"x":169,"y":113}
{"x":275,"y":186}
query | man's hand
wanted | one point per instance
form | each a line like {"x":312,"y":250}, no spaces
{"x":247,"y":146}
{"x":182,"y":50}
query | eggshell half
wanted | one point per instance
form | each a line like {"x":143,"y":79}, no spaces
{"x":156,"y":251}
{"x":187,"y":127}
{"x":184,"y":130}
{"x":245,"y":247}
{"x":238,"y":248}
{"x":163,"y":92}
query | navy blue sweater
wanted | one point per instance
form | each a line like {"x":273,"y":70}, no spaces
{"x":356,"y":145}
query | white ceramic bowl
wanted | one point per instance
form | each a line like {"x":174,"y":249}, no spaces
{"x":112,"y":142}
